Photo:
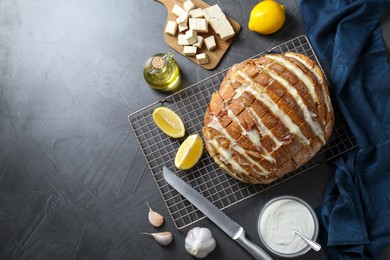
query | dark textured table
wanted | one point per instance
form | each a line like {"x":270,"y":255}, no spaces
{"x":73,"y":180}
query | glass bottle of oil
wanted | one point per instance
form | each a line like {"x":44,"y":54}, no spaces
{"x":161,"y":72}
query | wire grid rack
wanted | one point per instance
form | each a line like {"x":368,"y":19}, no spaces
{"x":206,"y":177}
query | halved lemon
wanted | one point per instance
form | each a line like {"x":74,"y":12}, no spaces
{"x":189,"y":152}
{"x":169,"y":122}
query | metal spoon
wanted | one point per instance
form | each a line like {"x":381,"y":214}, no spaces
{"x":314,"y":245}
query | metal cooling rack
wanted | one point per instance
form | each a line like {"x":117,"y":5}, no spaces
{"x":206,"y":177}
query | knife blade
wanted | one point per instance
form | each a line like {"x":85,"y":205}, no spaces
{"x":231,"y":228}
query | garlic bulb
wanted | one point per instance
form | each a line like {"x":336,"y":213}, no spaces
{"x":199,"y":242}
{"x":163,"y":238}
{"x":155,"y":218}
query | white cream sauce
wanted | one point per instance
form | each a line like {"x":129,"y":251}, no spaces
{"x":308,"y":116}
{"x":319,"y":79}
{"x":226,"y":155}
{"x":278,"y":222}
{"x":273,"y":107}
{"x":264,"y":130}
{"x":301,"y":76}
{"x":253,"y":136}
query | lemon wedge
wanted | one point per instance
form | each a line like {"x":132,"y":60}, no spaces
{"x":189,"y":152}
{"x":267,"y":17}
{"x":169,"y":122}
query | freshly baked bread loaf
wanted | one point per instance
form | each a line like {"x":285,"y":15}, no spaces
{"x":270,"y":116}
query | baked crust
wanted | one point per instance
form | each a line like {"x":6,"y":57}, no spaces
{"x":270,"y":116}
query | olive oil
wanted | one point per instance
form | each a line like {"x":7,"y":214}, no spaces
{"x":161,"y":72}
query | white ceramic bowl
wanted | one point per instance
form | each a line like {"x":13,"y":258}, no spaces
{"x":277,"y":220}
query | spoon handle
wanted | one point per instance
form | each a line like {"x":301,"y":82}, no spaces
{"x":314,"y":245}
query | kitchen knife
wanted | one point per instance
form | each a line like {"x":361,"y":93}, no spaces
{"x":230,"y":227}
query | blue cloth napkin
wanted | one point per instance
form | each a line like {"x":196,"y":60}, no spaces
{"x":347,"y":38}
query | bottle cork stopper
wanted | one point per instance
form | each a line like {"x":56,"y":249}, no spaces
{"x":157,"y":62}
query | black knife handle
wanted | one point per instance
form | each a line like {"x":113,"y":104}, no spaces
{"x":256,"y":251}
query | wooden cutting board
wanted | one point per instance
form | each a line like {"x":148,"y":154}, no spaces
{"x":214,"y":55}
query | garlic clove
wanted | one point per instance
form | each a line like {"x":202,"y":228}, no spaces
{"x":163,"y":238}
{"x":155,"y":218}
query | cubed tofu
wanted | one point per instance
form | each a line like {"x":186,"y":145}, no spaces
{"x":210,"y":42}
{"x":171,"y":28}
{"x":177,"y":10}
{"x":189,"y":50}
{"x":191,"y":36}
{"x":198,"y":24}
{"x":196,"y":13}
{"x":181,"y":39}
{"x":202,"y":58}
{"x":199,"y":42}
{"x":183,"y":27}
{"x":188,"y":5}
{"x":183,"y":18}
{"x":219,"y":22}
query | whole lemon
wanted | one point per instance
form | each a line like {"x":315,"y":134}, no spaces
{"x":267,"y":17}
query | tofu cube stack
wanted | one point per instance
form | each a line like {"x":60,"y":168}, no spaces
{"x":192,"y":21}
